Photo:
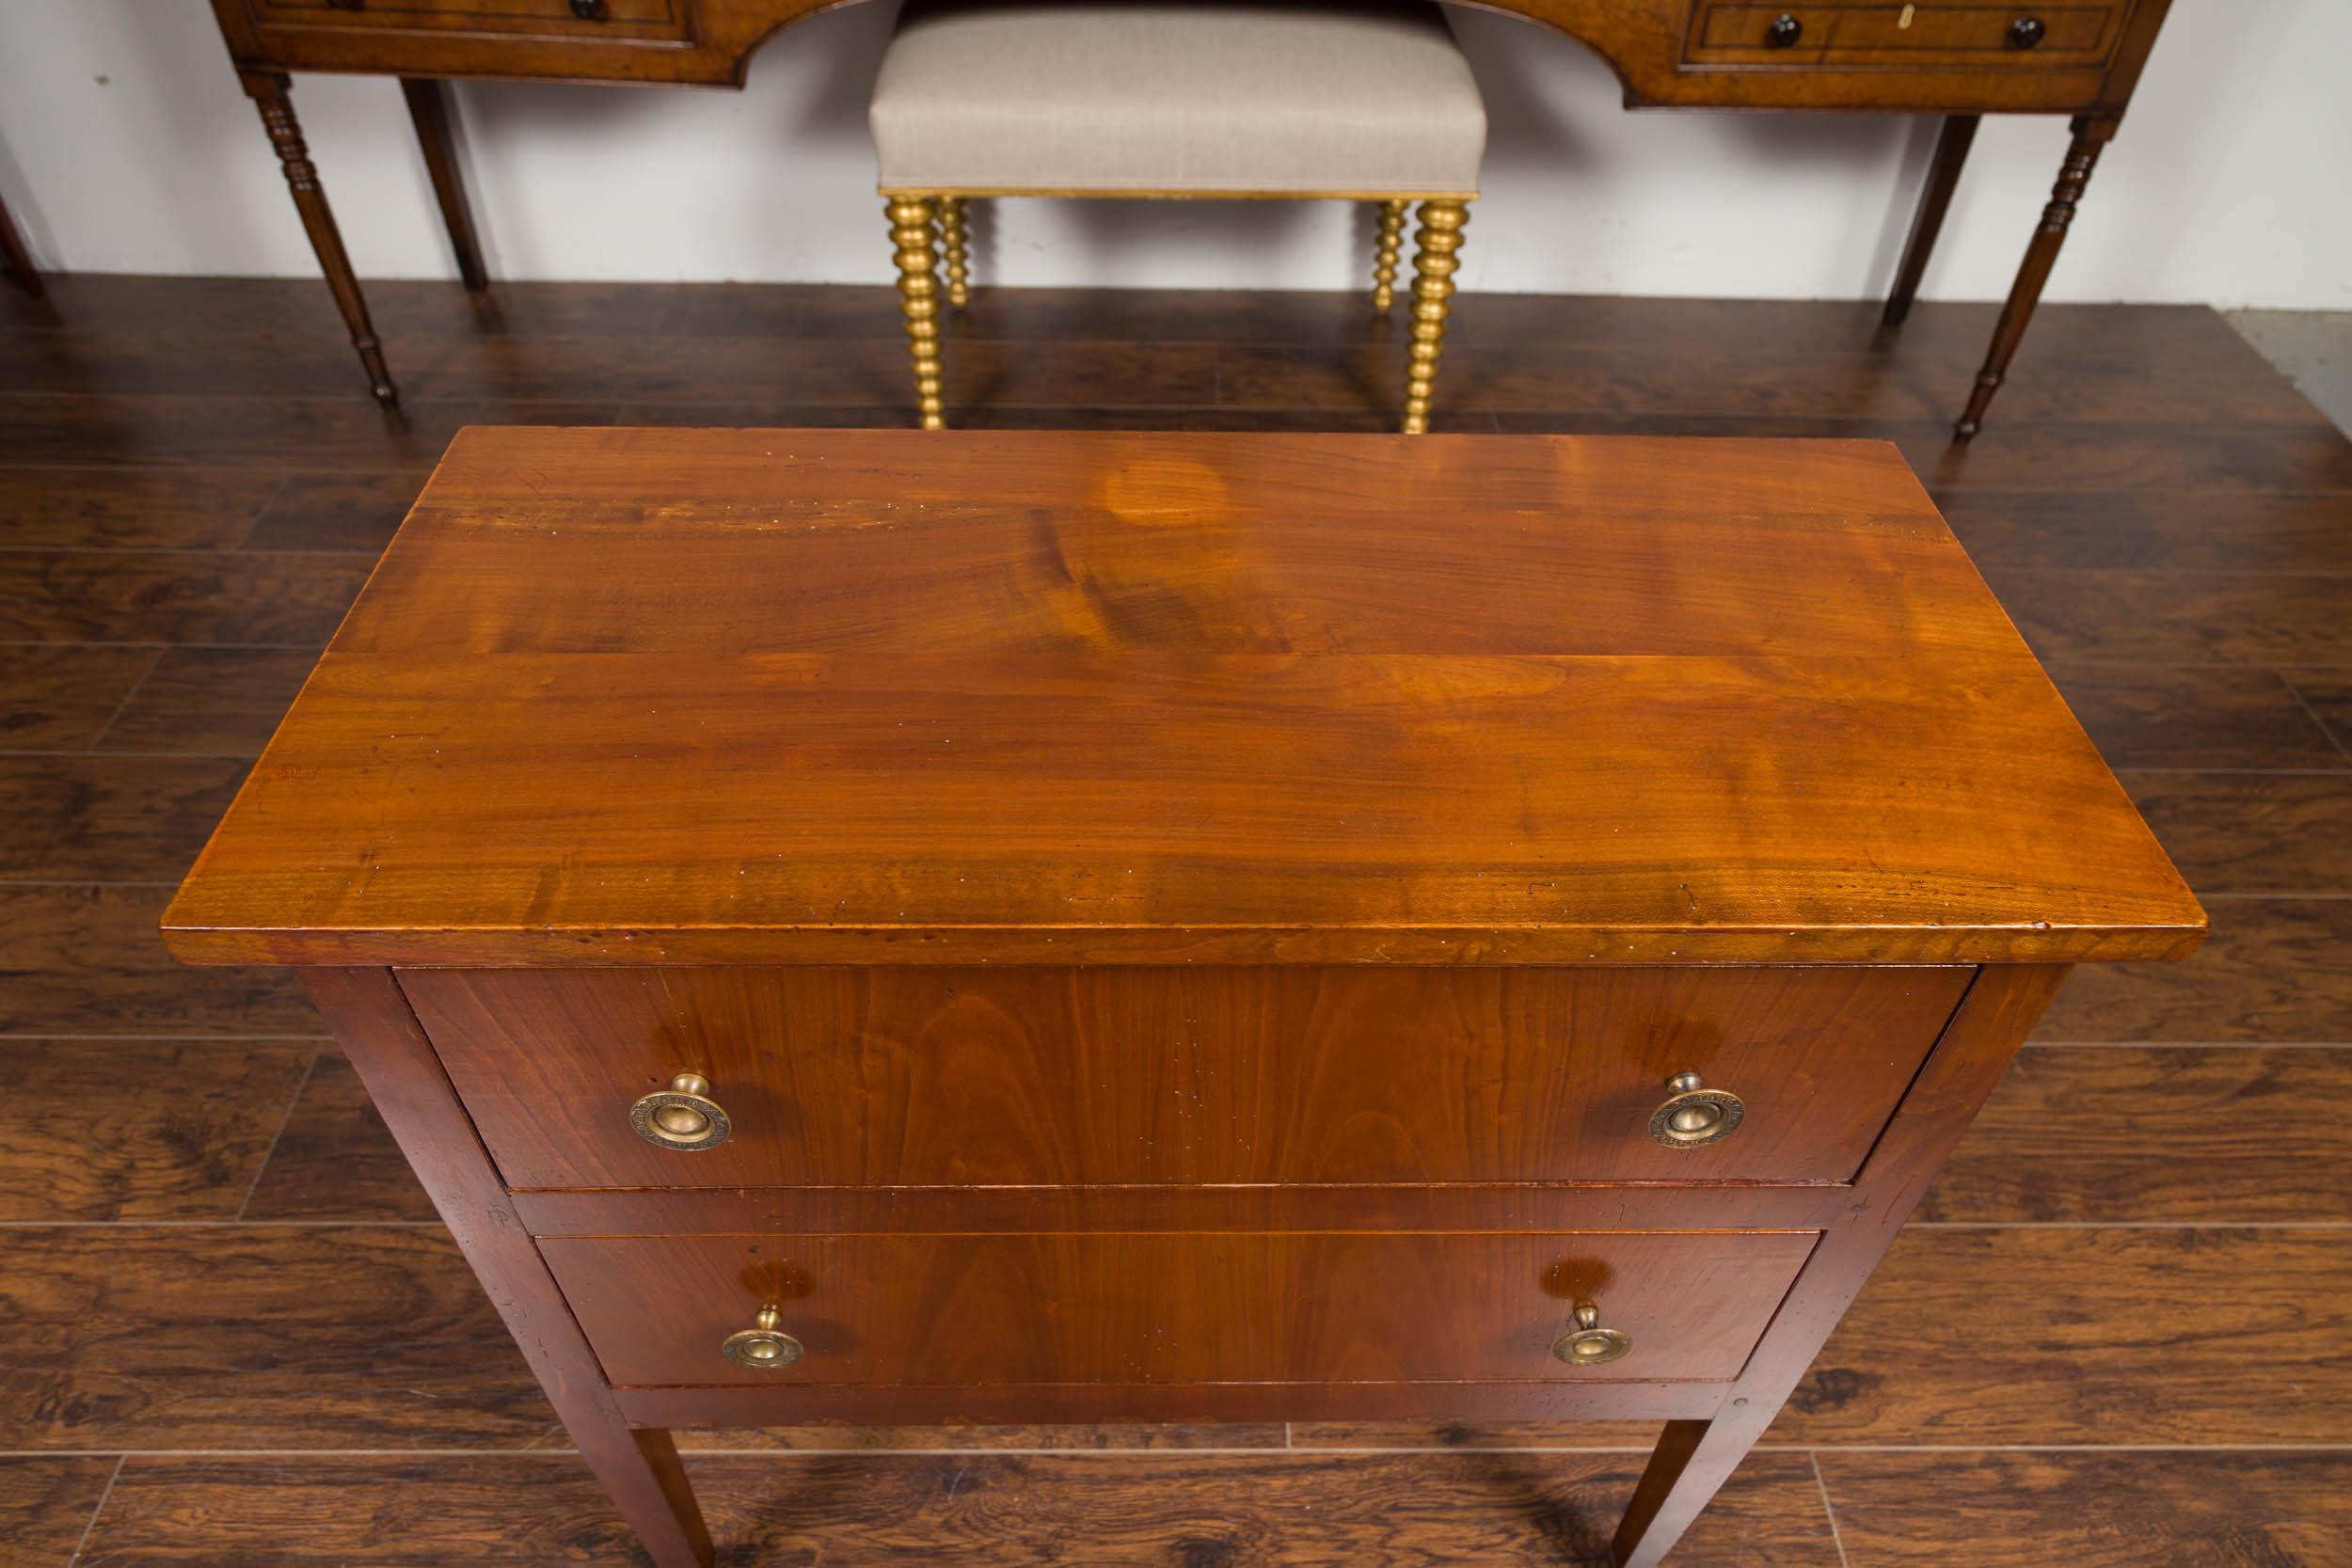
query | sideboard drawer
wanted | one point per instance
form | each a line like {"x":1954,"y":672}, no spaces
{"x":909,"y":1077}
{"x":630,"y":20}
{"x":1187,"y":1308}
{"x":1927,"y":34}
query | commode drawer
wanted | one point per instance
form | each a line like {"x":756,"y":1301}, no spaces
{"x":589,"y":20}
{"x":1929,"y":34}
{"x":1033,"y":1076}
{"x":1184,"y":1307}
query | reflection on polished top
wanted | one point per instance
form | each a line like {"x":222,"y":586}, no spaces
{"x":626,"y":696}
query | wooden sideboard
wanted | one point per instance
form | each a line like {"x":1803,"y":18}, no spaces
{"x":918,"y":926}
{"x":1959,"y":59}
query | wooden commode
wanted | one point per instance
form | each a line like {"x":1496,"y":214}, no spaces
{"x":893,"y":926}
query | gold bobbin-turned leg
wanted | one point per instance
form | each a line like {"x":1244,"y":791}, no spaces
{"x":956,"y":240}
{"x":1384,"y":254}
{"x":1434,"y":263}
{"x":918,"y":300}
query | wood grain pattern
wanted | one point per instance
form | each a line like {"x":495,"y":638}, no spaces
{"x":2195,"y":717}
{"x":2178,"y":1135}
{"x":2184,"y":618}
{"x":2178,"y":530}
{"x":214,"y":596}
{"x":1276,"y":721}
{"x":174,"y":429}
{"x":2127,"y":456}
{"x":2281,"y":1509}
{"x":81,"y":960}
{"x":59,"y":698}
{"x":335,"y":511}
{"x":961,"y":1312}
{"x":334,"y":1160}
{"x":104,"y":509}
{"x":2329,"y":695}
{"x":185,"y":1125}
{"x":109,"y":819}
{"x":2233,"y":834}
{"x":860,"y":372}
{"x":2276,"y":970}
{"x":1022,"y":1511}
{"x":47,"y":1504}
{"x":923,"y":1078}
{"x":1841,"y":377}
{"x":217,"y":702}
{"x":126,"y":1337}
{"x":2091,"y":1327}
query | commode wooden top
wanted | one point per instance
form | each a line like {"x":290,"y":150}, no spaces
{"x":640,"y":696}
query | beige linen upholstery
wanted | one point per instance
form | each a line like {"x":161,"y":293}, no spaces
{"x":1171,"y":98}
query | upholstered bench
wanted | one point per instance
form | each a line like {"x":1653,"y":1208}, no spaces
{"x":1310,"y":102}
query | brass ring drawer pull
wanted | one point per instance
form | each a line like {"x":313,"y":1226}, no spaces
{"x":682,"y":1116}
{"x":1695,"y":1115}
{"x":1588,"y":1344}
{"x":765,"y":1347}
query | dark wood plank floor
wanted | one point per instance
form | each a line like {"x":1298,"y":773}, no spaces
{"x":231,"y":1331}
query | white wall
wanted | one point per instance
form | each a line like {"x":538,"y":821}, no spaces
{"x":125,"y":145}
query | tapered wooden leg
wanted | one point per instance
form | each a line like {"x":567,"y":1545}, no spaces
{"x":918,"y":300}
{"x":1434,"y":265}
{"x":268,"y":89}
{"x":1695,"y":1458}
{"x":1951,"y":152}
{"x":1385,"y":248}
{"x":20,"y":259}
{"x":956,"y":240}
{"x":430,"y":111}
{"x":2082,"y":155}
{"x":387,"y":1047}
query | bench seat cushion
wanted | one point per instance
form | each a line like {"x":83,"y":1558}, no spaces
{"x":1335,"y":99}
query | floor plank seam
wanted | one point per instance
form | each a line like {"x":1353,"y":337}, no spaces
{"x":136,"y":756}
{"x":1318,"y":1451}
{"x":107,"y":728}
{"x":105,"y":1493}
{"x":293,"y":1101}
{"x":221,"y":1225}
{"x":180,"y":1037}
{"x":261,"y":509}
{"x":1828,"y":1511}
{"x":2129,"y":1225}
{"x":2189,"y":1045}
{"x":2333,"y":738}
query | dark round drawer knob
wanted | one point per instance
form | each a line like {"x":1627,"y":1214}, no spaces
{"x":2025,"y":32}
{"x":1786,"y":30}
{"x":588,"y":10}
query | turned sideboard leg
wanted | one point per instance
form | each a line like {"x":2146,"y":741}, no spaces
{"x":1951,"y":152}
{"x":268,"y":91}
{"x":430,"y":111}
{"x":388,"y":1049}
{"x":1695,"y":1458}
{"x":2082,"y":154}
